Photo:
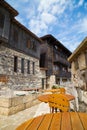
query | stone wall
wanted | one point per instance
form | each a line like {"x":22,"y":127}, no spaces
{"x":51,"y":81}
{"x":9,"y":106}
{"x":79,"y":79}
{"x":78,"y":71}
{"x":18,"y":80}
{"x":43,"y":77}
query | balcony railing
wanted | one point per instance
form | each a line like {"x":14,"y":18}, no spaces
{"x":61,"y":60}
{"x":62,"y":74}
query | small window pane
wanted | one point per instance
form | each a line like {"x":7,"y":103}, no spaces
{"x":28,"y":67}
{"x":33,"y":65}
{"x":15,"y":63}
{"x":22,"y":65}
{"x":2,"y":20}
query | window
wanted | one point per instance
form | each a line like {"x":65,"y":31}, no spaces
{"x":43,"y":60}
{"x":15,"y":35}
{"x":76,"y":64}
{"x":2,"y":17}
{"x":22,"y":65}
{"x":56,"y":47}
{"x":28,"y":43}
{"x":31,"y":44}
{"x":28,"y":67}
{"x":33,"y":66}
{"x":15,"y":63}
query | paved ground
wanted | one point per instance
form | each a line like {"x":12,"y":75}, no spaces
{"x":11,"y":122}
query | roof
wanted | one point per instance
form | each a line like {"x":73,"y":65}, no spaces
{"x":79,"y":49}
{"x":57,"y":42}
{"x":7,"y":6}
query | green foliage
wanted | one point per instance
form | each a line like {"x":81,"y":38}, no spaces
{"x":56,"y":86}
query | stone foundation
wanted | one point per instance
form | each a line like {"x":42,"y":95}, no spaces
{"x":12,"y":105}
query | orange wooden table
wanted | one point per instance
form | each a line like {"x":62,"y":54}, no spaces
{"x":57,"y":121}
{"x":45,"y":97}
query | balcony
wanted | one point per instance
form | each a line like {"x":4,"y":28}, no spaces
{"x":61,"y":60}
{"x":62,"y":74}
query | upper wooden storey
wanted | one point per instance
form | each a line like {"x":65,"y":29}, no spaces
{"x":53,"y":56}
{"x":15,"y":35}
{"x":56,"y":51}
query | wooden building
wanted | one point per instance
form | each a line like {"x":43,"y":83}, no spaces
{"x":19,"y":52}
{"x":53,"y":58}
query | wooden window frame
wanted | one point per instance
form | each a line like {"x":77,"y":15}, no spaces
{"x":31,"y":44}
{"x":28,"y":44}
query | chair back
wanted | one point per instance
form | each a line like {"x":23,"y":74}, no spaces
{"x":59,"y":101}
{"x":62,"y":90}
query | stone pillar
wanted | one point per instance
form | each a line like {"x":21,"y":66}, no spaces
{"x":52,"y":80}
{"x":60,"y":80}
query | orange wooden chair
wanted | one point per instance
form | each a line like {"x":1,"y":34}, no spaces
{"x":58,"y":101}
{"x":62,"y":90}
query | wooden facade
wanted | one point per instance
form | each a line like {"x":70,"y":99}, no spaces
{"x":54,"y":57}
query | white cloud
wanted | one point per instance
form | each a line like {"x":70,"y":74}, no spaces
{"x":83,"y":25}
{"x":29,"y":12}
{"x":47,"y":13}
{"x":37,"y":26}
{"x":80,"y":2}
{"x":85,"y":5}
{"x":48,"y":18}
{"x":53,"y":6}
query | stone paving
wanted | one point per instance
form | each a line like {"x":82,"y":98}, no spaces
{"x":11,"y":122}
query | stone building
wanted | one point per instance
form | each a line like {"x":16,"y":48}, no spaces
{"x":78,"y":61}
{"x":19,"y":52}
{"x":53,"y":58}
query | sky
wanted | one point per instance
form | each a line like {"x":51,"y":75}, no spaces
{"x":66,"y":20}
